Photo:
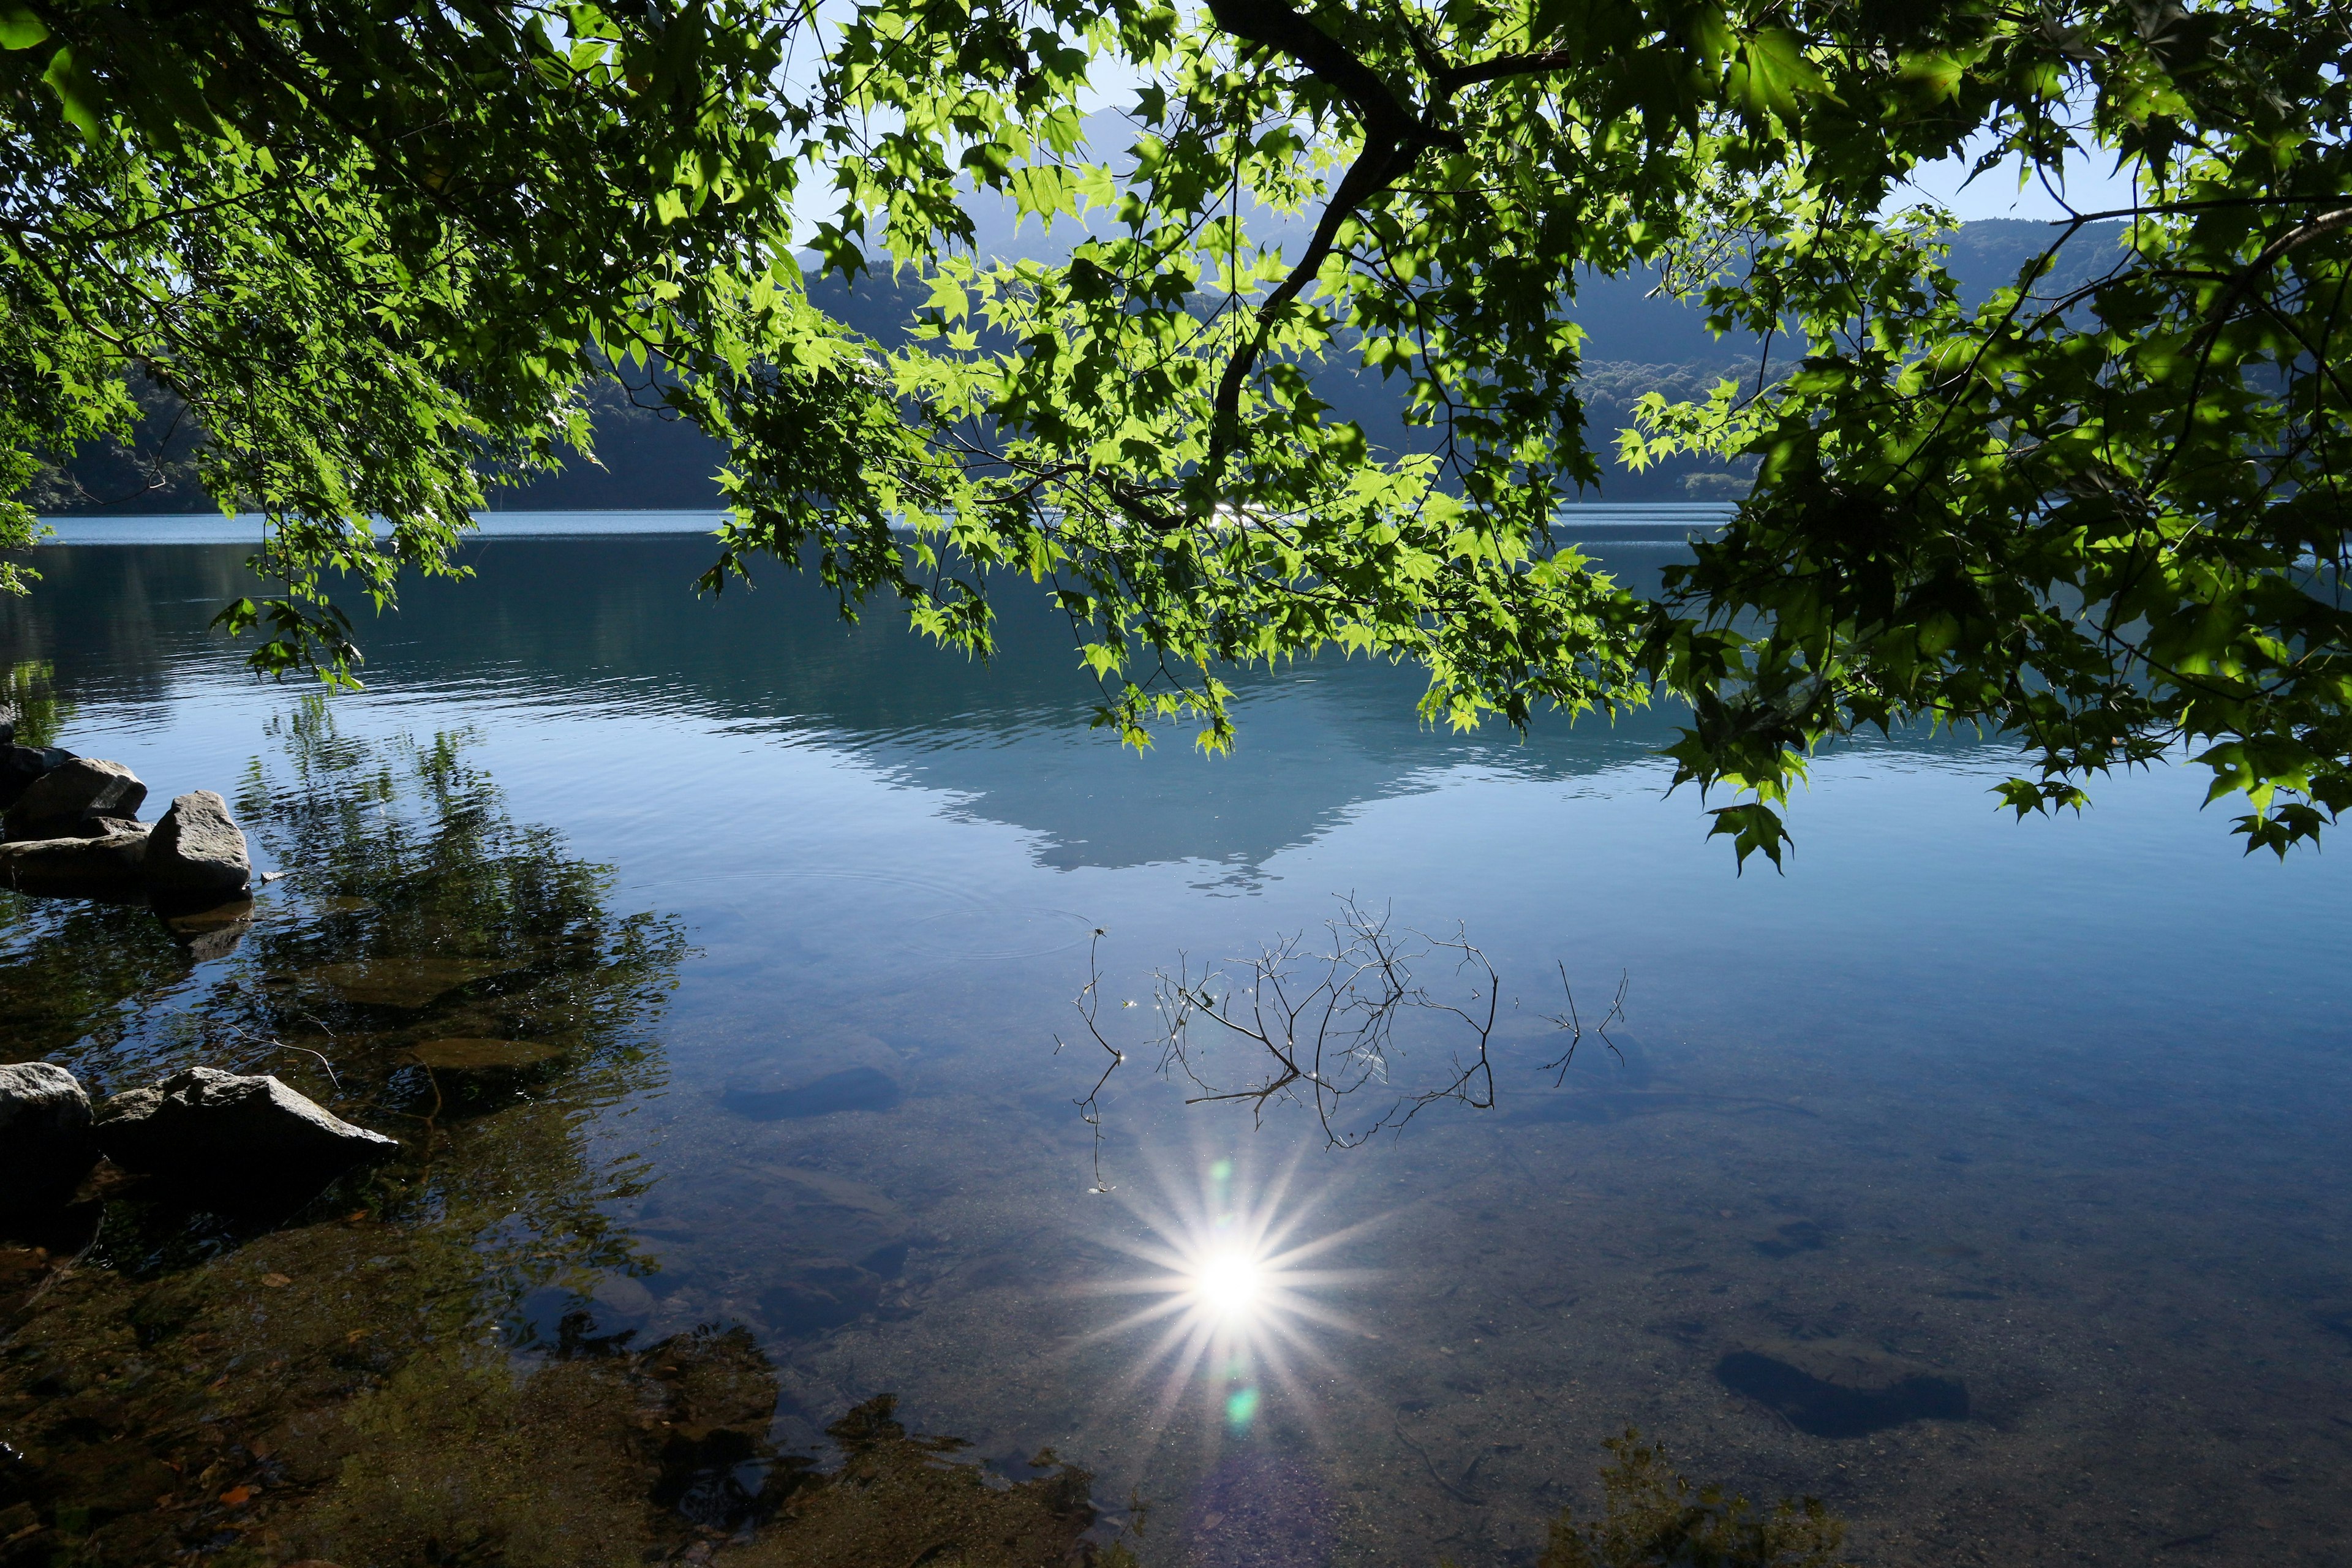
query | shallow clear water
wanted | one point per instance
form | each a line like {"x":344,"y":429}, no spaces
{"x":1985,"y":1180}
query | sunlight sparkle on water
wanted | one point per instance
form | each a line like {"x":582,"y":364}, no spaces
{"x":1227,"y":1283}
{"x":1234,"y":1300}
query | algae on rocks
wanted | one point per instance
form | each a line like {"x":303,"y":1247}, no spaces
{"x":192,"y":1379}
{"x":1654,"y":1518}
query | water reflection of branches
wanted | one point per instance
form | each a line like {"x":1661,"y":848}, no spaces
{"x":1088,"y":1002}
{"x":1572,"y":1024}
{"x":1329,"y":1023}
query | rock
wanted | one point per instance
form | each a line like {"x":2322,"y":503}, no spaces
{"x":198,"y":848}
{"x":110,"y":865}
{"x":484,"y":1057}
{"x":211,"y":931}
{"x":408,"y":982}
{"x":21,"y":765}
{"x":211,"y":1128}
{"x":44,"y":1142}
{"x":63,"y":802}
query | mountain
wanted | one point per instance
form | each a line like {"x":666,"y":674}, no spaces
{"x":1637,"y":341}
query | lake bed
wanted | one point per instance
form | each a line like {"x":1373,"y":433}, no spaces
{"x":1986,"y":1180}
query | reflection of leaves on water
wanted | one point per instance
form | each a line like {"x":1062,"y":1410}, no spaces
{"x":72,"y":971}
{"x":400,"y":855}
{"x":418,"y":911}
{"x":29,"y":694}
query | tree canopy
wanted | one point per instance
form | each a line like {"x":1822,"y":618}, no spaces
{"x":377,"y":250}
{"x":380,"y":249}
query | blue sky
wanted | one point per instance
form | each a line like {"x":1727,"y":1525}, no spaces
{"x":2091,"y":184}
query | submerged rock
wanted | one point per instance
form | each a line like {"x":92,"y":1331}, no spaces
{"x":44,"y":1142}
{"x":198,"y":848}
{"x":71,"y":799}
{"x":409,"y":982}
{"x":21,"y":765}
{"x":210,"y":931}
{"x":206,"y":1126}
{"x":852,"y":1088}
{"x":484,"y":1057}
{"x":820,"y":1294}
{"x":112,"y":864}
{"x":1827,"y":1388}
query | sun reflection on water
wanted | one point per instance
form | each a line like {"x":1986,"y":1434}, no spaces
{"x":1238,"y":1300}
{"x":1226,"y":1283}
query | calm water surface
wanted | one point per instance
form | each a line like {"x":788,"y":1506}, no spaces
{"x":1985,"y":1180}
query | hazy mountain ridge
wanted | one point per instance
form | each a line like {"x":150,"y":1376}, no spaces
{"x":1638,"y":342}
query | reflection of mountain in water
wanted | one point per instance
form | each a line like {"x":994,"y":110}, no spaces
{"x":612,"y":627}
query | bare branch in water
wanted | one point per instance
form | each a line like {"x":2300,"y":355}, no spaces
{"x":1330,"y":1026}
{"x":1332,"y":1021}
{"x":271,"y":1042}
{"x":1574,"y":1025}
{"x":1087,"y":1002}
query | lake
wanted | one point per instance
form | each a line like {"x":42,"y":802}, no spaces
{"x":725,"y":971}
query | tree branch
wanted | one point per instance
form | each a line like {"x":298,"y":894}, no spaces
{"x":1394,"y":134}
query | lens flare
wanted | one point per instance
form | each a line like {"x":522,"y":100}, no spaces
{"x":1227,"y":1283}
{"x":1238,"y":1298}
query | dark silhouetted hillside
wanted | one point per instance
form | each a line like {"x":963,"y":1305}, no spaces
{"x":1637,"y":341}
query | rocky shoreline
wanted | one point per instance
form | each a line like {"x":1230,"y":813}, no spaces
{"x":212,"y":1135}
{"x":69,"y":827}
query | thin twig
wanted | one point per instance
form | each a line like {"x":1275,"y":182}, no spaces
{"x":1087,"y":1002}
{"x":1327,"y":1023}
{"x":1574,"y":1025}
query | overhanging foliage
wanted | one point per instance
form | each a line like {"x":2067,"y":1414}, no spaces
{"x":376,"y":247}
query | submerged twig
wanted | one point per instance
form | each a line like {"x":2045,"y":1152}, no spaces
{"x":1574,"y":1024}
{"x":1087,"y":1002}
{"x":272,"y":1043}
{"x":1327,"y":1022}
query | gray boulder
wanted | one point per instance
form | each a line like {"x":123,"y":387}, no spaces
{"x":211,"y":1129}
{"x":45,"y":1143}
{"x":21,"y":765}
{"x":198,"y":848}
{"x":110,"y":865}
{"x":66,"y":801}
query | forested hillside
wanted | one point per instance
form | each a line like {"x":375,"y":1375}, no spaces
{"x":1637,"y":342}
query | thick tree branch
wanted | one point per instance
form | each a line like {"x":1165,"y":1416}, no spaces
{"x":2218,"y":317}
{"x":1395,"y":135}
{"x":1395,"y":132}
{"x":1276,"y":24}
{"x":1452,"y":81}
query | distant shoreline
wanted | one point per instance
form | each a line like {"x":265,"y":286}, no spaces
{"x":1632,"y":522}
